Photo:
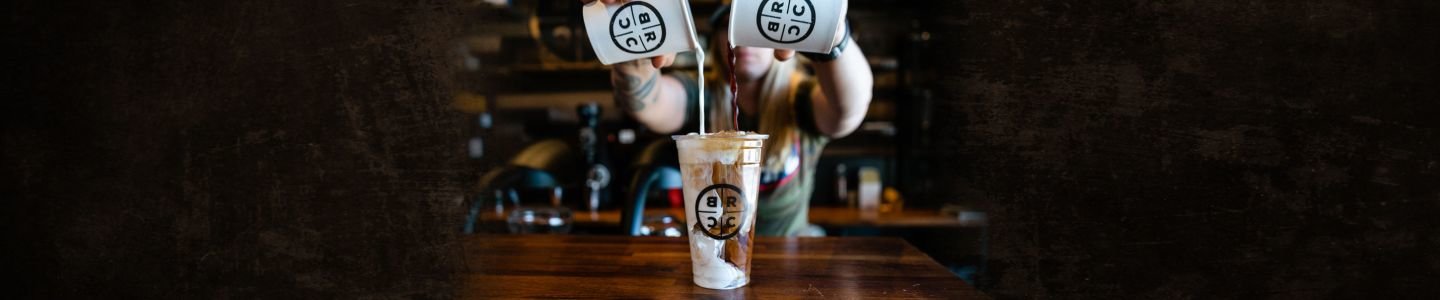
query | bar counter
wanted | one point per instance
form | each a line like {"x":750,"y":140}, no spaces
{"x":565,"y":266}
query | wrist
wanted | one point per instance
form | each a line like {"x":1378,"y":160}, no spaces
{"x":836,"y":51}
{"x":629,"y":80}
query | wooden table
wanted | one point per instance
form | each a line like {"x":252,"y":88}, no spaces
{"x":562,"y":266}
{"x":819,"y":215}
{"x":908,"y":218}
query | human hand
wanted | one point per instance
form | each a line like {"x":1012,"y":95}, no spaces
{"x":784,"y":54}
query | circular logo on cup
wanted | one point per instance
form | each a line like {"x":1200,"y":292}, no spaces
{"x":786,"y":21}
{"x":720,"y":209}
{"x":637,"y":28}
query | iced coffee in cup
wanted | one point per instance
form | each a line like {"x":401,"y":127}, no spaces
{"x":721,"y":174}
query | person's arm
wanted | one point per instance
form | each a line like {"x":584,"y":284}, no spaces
{"x":653,"y":99}
{"x":844,"y":94}
{"x":845,"y":90}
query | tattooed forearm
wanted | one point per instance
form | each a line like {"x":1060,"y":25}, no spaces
{"x":635,"y":92}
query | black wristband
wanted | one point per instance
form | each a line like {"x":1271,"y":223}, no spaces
{"x":834,"y":52}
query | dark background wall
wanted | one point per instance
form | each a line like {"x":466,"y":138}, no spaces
{"x":256,"y":149}
{"x":1212,"y":148}
{"x":1123,"y":148}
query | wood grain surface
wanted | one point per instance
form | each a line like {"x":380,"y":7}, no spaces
{"x":555,"y":266}
{"x":819,"y":215}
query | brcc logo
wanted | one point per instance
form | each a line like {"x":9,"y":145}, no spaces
{"x":720,"y":209}
{"x":637,"y":28}
{"x":786,"y":21}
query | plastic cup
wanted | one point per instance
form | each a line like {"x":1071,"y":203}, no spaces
{"x":721,"y":178}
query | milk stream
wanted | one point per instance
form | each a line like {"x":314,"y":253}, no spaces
{"x":700,"y":78}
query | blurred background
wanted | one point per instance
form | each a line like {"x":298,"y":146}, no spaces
{"x":275,"y":149}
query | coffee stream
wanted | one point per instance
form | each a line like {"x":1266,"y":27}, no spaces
{"x":734,"y":90}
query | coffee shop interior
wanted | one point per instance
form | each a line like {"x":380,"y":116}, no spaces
{"x":474,"y":149}
{"x":554,"y":155}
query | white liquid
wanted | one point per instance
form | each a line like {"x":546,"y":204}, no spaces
{"x":700,"y":79}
